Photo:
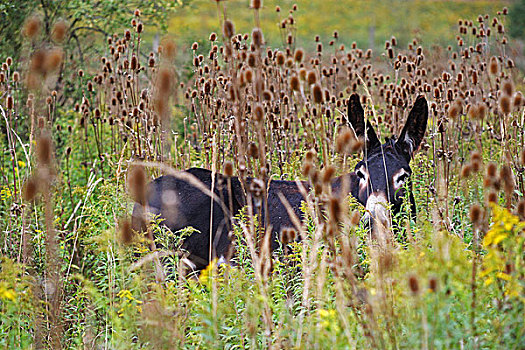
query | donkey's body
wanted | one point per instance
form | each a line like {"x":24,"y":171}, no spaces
{"x":193,"y":207}
{"x":378,"y":180}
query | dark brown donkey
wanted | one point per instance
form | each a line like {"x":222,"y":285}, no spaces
{"x":381,"y":178}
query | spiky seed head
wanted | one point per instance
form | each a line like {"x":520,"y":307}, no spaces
{"x":126,"y":232}
{"x":518,"y":100}
{"x":328,"y":174}
{"x":164,"y":80}
{"x":494,"y":66}
{"x":312,"y":77}
{"x":10,"y":102}
{"x":433,"y":284}
{"x":334,"y":208}
{"x":492,"y":197}
{"x":454,"y":110}
{"x":228,"y":29}
{"x":257,"y":37}
{"x":253,"y":150}
{"x":299,"y":54}
{"x":507,"y":87}
{"x":523,"y":157}
{"x":466,"y":170}
{"x":280,"y":58}
{"x":169,"y":49}
{"x":137,"y":183}
{"x":521,"y":209}
{"x":317,"y":93}
{"x":258,"y":112}
{"x":59,"y":31}
{"x":228,"y":168}
{"x":505,"y":104}
{"x":476,"y":214}
{"x":294,"y":83}
{"x":30,"y":189}
{"x":44,"y":149}
{"x":491,"y":170}
{"x":32,"y":27}
{"x":413,"y":284}
{"x":508,"y":179}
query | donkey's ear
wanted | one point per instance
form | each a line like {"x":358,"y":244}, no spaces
{"x":415,"y":127}
{"x":356,"y":118}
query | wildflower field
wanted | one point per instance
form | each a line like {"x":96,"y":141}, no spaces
{"x":84,"y":128}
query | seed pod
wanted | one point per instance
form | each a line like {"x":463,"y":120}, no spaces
{"x":493,"y":66}
{"x":294,"y":83}
{"x":228,"y":168}
{"x":44,"y":149}
{"x":257,"y":37}
{"x":137,"y":184}
{"x":476,"y":215}
{"x":413,"y":284}
{"x":126,"y":232}
{"x":30,"y":189}
{"x":317,"y":93}
{"x":505,"y":104}
{"x":507,"y":87}
{"x":312,"y":77}
{"x":228,"y":29}
{"x":299,"y":54}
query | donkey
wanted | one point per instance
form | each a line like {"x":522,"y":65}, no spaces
{"x":378,"y":182}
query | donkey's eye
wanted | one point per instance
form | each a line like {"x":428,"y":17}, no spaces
{"x":400,"y":179}
{"x":360,"y":174}
{"x":403,"y":178}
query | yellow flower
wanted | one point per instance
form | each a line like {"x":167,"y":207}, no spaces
{"x":7,"y":294}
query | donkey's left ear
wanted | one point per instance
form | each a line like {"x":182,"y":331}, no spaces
{"x":415,"y":127}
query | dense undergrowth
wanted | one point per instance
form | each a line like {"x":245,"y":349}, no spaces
{"x":74,"y":275}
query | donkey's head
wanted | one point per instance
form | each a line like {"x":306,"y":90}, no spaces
{"x":383,"y":176}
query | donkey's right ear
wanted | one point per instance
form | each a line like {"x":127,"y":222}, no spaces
{"x":362,"y":129}
{"x":415,"y":127}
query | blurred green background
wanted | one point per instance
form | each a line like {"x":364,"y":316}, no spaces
{"x":369,"y":23}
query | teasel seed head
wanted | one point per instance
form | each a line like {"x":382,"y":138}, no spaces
{"x":494,"y":66}
{"x":328,"y":174}
{"x":280,"y":58}
{"x":257,"y":37}
{"x":476,"y":215}
{"x":30,"y":189}
{"x":44,"y":149}
{"x":507,"y":87}
{"x":32,"y":27}
{"x":258,"y":112}
{"x":59,"y":31}
{"x":334,"y":209}
{"x":137,"y":183}
{"x":433,"y":284}
{"x":508,"y":179}
{"x":413,"y":284}
{"x":294,"y":83}
{"x":126,"y":232}
{"x":492,"y":197}
{"x":505,"y":104}
{"x":10,"y":102}
{"x":518,"y":100}
{"x":466,"y":170}
{"x":228,"y":29}
{"x":317,"y":93}
{"x":228,"y":169}
{"x":520,"y":209}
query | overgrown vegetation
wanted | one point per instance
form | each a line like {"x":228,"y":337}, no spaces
{"x":73,"y":274}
